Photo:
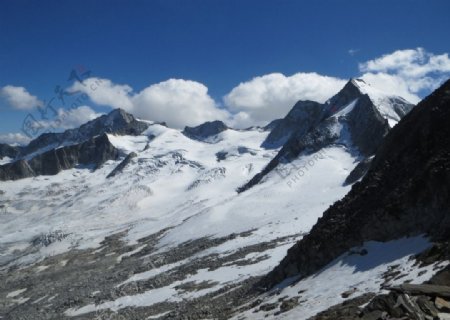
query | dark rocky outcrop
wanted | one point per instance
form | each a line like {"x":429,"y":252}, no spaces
{"x":116,"y":122}
{"x":16,"y":170}
{"x":312,"y":141}
{"x":272,"y":124}
{"x":304,"y":116}
{"x":205,"y":130}
{"x":94,"y":151}
{"x":117,"y":170}
{"x":406,"y":192}
{"x":366,"y":125}
{"x":8,"y":151}
{"x":350,"y":92}
{"x":358,"y":172}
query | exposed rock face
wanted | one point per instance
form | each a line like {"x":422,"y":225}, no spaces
{"x":16,"y":170}
{"x":8,"y":151}
{"x":366,"y":125}
{"x":272,"y":124}
{"x":116,"y":122}
{"x":313,"y":141}
{"x":94,"y":151}
{"x":406,"y":192}
{"x":349,"y":93}
{"x":304,"y":116}
{"x":117,"y":170}
{"x":350,"y":113}
{"x":205,"y":130}
{"x":359,"y":171}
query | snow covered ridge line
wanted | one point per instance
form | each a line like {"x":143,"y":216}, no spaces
{"x":285,"y":170}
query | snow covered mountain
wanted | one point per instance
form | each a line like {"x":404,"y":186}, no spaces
{"x":358,"y":118}
{"x":405,"y":194}
{"x":153,"y":228}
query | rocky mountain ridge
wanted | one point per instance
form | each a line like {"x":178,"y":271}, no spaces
{"x":405,"y":193}
{"x":50,"y":153}
{"x":350,"y":118}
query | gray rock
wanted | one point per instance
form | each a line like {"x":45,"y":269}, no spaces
{"x":117,"y":170}
{"x":359,"y":171}
{"x":8,"y":151}
{"x":205,"y":130}
{"x":289,"y":304}
{"x":423,"y":289}
{"x":442,"y":304}
{"x":303,"y":117}
{"x":16,"y":170}
{"x":272,"y":124}
{"x":94,"y":151}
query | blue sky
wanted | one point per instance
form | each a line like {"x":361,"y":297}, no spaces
{"x":214,"y":44}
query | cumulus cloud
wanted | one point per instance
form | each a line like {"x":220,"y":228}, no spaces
{"x":14,"y":139}
{"x":73,"y":118}
{"x":105,"y":92}
{"x":391,"y":84}
{"x":412,"y":63}
{"x":176,"y":101}
{"x":271,"y":96}
{"x":407,"y":72}
{"x":179,"y":102}
{"x":19,"y":98}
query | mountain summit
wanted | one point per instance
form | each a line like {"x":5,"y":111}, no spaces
{"x":116,"y":122}
{"x":405,"y":193}
{"x":50,"y":153}
{"x":358,"y":117}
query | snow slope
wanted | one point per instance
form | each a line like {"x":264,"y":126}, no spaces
{"x":387,"y":105}
{"x":350,"y":274}
{"x":188,"y":189}
{"x":175,"y":183}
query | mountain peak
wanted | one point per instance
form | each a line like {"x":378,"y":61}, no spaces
{"x":205,"y":130}
{"x":358,"y":82}
{"x":120,"y":114}
{"x":118,"y":121}
{"x":404,"y":193}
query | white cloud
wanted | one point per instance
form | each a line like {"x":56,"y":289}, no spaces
{"x":105,"y":92}
{"x":69,"y":119}
{"x":14,"y":139}
{"x":271,"y":96}
{"x":407,"y":72}
{"x":413,"y":63}
{"x":391,"y":84}
{"x":176,"y":101}
{"x":74,"y":118}
{"x":65,"y":119}
{"x":19,"y":98}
